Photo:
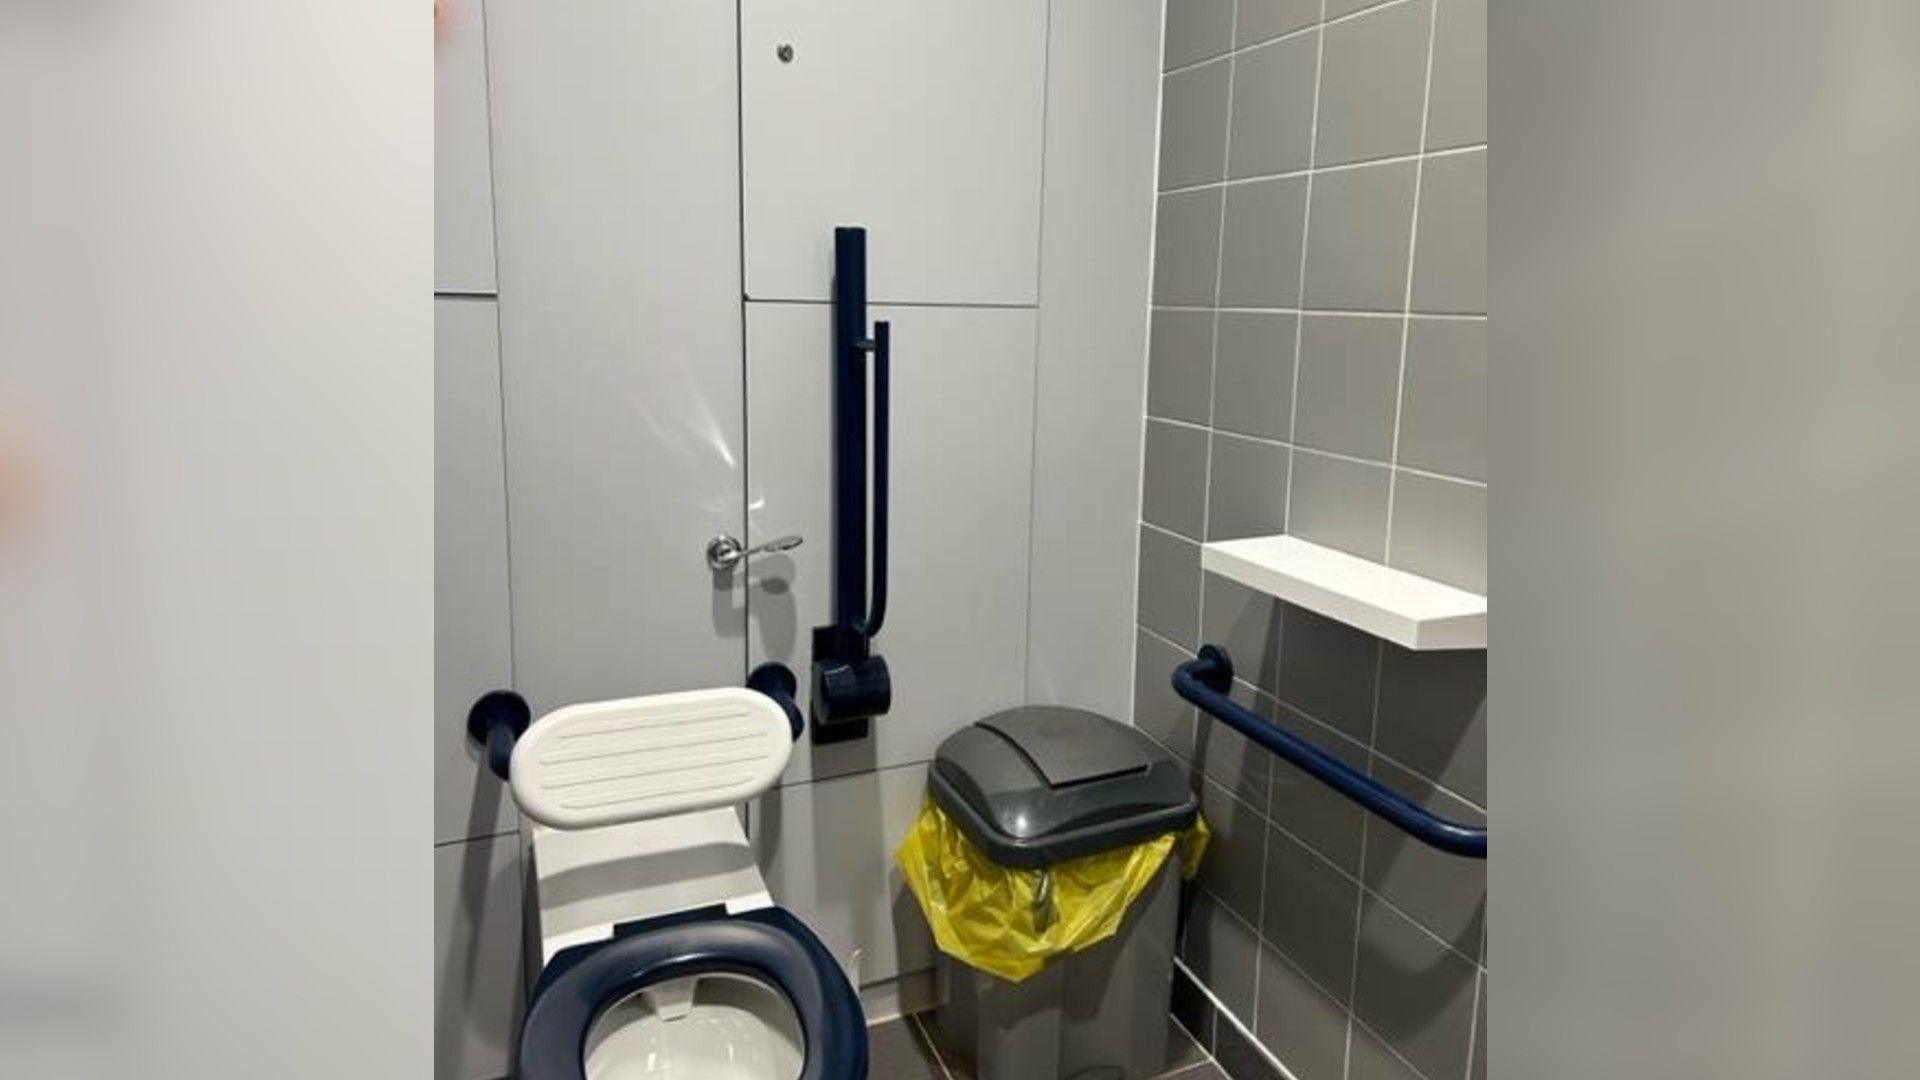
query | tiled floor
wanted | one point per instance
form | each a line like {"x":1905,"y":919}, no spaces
{"x":902,"y":1049}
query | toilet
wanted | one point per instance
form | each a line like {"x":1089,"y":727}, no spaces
{"x":662,"y":955}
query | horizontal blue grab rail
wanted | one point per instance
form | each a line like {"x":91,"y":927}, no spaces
{"x":1205,"y":681}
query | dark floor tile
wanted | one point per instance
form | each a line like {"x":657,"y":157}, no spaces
{"x":895,"y":1048}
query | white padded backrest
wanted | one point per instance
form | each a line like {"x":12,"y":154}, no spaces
{"x":609,"y":762}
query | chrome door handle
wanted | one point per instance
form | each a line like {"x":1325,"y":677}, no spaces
{"x":724,"y":552}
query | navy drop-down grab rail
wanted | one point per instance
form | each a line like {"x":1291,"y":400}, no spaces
{"x":1205,"y":681}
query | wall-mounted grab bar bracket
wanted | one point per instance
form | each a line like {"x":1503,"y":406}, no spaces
{"x":1206,"y":680}
{"x":776,"y":680}
{"x":496,"y":721}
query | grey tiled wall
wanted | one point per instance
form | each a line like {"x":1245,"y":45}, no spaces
{"x":1318,"y":366}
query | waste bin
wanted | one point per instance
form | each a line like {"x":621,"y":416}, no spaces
{"x":1046,"y":861}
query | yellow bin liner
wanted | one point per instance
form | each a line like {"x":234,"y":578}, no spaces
{"x":1011,"y":922}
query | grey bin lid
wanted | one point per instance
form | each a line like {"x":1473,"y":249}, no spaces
{"x":1042,"y":783}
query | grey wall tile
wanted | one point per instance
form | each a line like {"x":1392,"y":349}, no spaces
{"x":1197,"y":29}
{"x":1457,"y":101}
{"x":1312,"y":812}
{"x":1369,"y":1059}
{"x":1349,"y":384}
{"x":1443,"y":407}
{"x":1157,"y":709}
{"x":1440,"y":530}
{"x":1273,"y":107}
{"x":1253,"y":373}
{"x":1309,"y":914}
{"x":1297,"y":1022}
{"x":1260,"y":266}
{"x":1263,"y":19}
{"x":1433,"y":716}
{"x":1373,"y":84}
{"x":1170,"y":586}
{"x":1180,"y":365}
{"x":1222,"y":952}
{"x":1232,"y":761}
{"x":1248,"y":488}
{"x":1186,"y":248}
{"x":1415,"y":992}
{"x":1173,"y":490}
{"x":1193,"y":111}
{"x":1232,"y":868}
{"x":1444,"y":893}
{"x":1328,"y":671}
{"x":1450,"y":269}
{"x":1357,"y":252}
{"x":477,"y":980}
{"x":1339,"y":503}
{"x":1248,"y":625}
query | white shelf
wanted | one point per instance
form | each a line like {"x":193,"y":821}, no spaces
{"x":1406,"y":609}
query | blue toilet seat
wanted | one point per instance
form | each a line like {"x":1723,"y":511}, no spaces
{"x":769,"y":945}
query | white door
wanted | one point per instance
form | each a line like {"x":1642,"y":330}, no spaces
{"x":920,"y":119}
{"x":617,"y":169}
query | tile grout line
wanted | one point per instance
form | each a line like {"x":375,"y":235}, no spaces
{"x":1360,"y":901}
{"x":1413,"y":247}
{"x":1349,"y":313}
{"x":1300,"y":285}
{"x":926,"y":1038}
{"x":1473,"y":1024}
{"x":1033,"y":426}
{"x":1213,"y":378}
{"x":1316,"y":170}
{"x":1221,"y":1011}
{"x":1189,"y":425}
{"x":1234,"y":50}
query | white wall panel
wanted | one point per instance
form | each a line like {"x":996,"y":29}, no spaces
{"x":472,"y":630}
{"x":477,"y":957}
{"x":462,"y":180}
{"x":1096,"y":239}
{"x":919,"y":119}
{"x":955,"y":635}
{"x":618,"y":208}
{"x":827,"y":851}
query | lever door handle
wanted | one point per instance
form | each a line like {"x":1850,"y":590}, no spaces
{"x":724,"y":552}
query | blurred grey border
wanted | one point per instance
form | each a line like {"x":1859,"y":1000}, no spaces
{"x":1705,"y":319}
{"x":216,"y":538}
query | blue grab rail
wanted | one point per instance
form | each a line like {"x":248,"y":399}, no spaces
{"x":1205,"y":680}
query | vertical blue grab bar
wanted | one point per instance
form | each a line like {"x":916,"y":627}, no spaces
{"x":1205,"y":680}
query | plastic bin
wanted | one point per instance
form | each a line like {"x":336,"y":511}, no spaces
{"x":1033,"y":787}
